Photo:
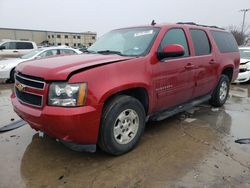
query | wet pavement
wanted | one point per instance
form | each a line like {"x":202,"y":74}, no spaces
{"x":193,"y":149}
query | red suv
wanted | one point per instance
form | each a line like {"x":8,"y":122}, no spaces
{"x":129,"y":76}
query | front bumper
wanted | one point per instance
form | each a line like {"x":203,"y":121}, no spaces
{"x":243,"y":77}
{"x":79,"y":124}
{"x":4,"y":74}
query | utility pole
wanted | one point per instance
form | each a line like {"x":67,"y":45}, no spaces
{"x":244,"y":16}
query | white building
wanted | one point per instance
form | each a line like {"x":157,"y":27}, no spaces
{"x":50,"y":37}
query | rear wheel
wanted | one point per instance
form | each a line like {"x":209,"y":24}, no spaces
{"x":122,"y":125}
{"x":221,"y":91}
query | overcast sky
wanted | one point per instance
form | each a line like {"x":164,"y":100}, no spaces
{"x":103,"y":15}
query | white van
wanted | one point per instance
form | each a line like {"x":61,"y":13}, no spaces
{"x":16,"y":48}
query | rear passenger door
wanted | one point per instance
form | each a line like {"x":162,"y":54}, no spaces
{"x":204,"y":61}
{"x":173,"y":77}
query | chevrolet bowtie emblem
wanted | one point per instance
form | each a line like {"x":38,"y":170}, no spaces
{"x":20,"y":87}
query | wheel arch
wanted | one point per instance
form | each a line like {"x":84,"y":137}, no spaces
{"x":12,"y":70}
{"x":139,"y":92}
{"x":228,"y":71}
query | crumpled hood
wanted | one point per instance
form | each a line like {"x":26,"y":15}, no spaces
{"x":243,"y":61}
{"x":59,"y":68}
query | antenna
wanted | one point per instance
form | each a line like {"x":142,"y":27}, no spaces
{"x":153,"y":22}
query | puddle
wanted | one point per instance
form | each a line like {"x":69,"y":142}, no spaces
{"x":7,"y":115}
{"x":239,"y":92}
{"x":198,"y":150}
{"x":232,"y":119}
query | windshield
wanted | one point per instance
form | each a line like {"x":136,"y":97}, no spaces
{"x":128,"y":42}
{"x":31,"y":54}
{"x":245,"y":53}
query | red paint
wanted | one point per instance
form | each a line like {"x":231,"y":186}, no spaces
{"x":167,"y":82}
{"x":173,"y":48}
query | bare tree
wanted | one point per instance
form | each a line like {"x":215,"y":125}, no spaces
{"x":240,"y":37}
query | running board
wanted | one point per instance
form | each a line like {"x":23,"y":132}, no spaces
{"x":158,"y":116}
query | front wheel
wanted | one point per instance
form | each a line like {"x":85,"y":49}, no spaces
{"x":12,"y":76}
{"x":221,"y":91}
{"x":122,"y":125}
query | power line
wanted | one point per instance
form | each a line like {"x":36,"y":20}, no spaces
{"x":244,"y":16}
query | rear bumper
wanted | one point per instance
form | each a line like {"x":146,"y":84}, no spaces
{"x":79,"y":125}
{"x":243,"y":77}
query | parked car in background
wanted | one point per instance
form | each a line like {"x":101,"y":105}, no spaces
{"x":16,"y":48}
{"x":7,"y":66}
{"x":129,"y":76}
{"x":83,"y":49}
{"x":244,"y":72}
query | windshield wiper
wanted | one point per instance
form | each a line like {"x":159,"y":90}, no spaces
{"x":109,"y":52}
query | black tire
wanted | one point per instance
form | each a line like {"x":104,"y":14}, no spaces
{"x":12,"y":76}
{"x":218,"y":99}
{"x":118,"y":106}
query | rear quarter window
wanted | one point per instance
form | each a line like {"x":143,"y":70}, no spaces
{"x":67,"y":51}
{"x":24,"y":45}
{"x":225,"y":41}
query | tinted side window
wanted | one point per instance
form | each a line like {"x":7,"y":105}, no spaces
{"x":67,"y":51}
{"x":201,"y":42}
{"x":24,"y":45}
{"x":175,"y":36}
{"x":225,"y":41}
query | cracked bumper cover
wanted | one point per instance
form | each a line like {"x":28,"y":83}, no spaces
{"x":243,"y":77}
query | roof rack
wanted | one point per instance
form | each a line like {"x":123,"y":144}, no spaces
{"x":192,"y":23}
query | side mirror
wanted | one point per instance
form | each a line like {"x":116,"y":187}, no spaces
{"x":2,"y":47}
{"x":171,"y":50}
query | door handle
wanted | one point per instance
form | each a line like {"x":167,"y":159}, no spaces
{"x":15,"y":51}
{"x":212,"y":61}
{"x":189,"y":66}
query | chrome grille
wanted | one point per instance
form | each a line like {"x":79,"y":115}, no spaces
{"x":29,"y":98}
{"x":37,"y":84}
{"x":28,"y":90}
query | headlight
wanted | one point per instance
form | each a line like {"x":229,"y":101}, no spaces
{"x":248,"y":66}
{"x":64,"y":94}
{"x":2,"y":66}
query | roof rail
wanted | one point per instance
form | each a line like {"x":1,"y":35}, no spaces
{"x":192,"y":23}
